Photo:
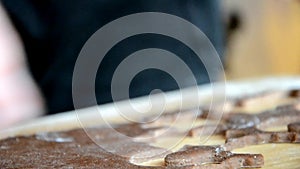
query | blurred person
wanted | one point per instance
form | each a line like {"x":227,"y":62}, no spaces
{"x":53,"y":32}
{"x":19,"y":96}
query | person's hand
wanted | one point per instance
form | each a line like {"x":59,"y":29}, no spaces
{"x":19,"y":97}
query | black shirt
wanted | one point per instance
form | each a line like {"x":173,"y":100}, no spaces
{"x":54,"y":31}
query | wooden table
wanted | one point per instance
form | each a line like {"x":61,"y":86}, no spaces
{"x":276,"y":155}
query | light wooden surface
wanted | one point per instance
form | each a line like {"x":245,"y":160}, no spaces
{"x":86,"y":116}
{"x":276,"y":155}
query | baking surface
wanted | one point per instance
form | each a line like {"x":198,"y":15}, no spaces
{"x":276,"y":155}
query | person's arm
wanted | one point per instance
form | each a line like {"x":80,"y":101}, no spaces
{"x":20,"y":98}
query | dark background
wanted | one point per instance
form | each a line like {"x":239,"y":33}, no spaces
{"x":54,"y":31}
